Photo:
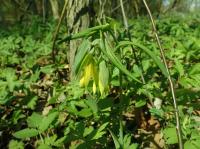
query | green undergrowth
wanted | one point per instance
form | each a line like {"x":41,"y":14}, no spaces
{"x":41,"y":108}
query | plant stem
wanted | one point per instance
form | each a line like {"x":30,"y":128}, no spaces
{"x":178,"y":126}
{"x":137,"y":60}
{"x":57,"y":30}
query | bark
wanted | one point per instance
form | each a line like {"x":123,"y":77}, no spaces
{"x":39,"y":5}
{"x":55,"y":9}
{"x":77,"y":15}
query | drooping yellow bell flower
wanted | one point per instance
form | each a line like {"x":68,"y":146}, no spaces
{"x":88,"y":74}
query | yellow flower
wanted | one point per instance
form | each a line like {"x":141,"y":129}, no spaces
{"x":101,"y":87}
{"x":82,"y":82}
{"x":88,"y":74}
{"x":94,"y":88}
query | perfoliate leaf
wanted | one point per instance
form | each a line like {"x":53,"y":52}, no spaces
{"x":103,"y":77}
{"x":104,"y":47}
{"x":81,"y":53}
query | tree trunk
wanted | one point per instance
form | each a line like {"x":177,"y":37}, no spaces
{"x":77,"y":14}
{"x":55,"y":9}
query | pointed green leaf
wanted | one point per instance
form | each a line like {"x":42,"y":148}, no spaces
{"x":148,"y":52}
{"x":86,"y":33}
{"x":26,"y":133}
{"x":34,"y":119}
{"x":115,"y":139}
{"x":81,"y":53}
{"x":103,"y":75}
{"x":113,"y":58}
{"x":47,"y":121}
{"x":100,"y":132}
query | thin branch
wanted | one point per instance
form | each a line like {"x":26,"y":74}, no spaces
{"x":137,"y":60}
{"x":57,"y":30}
{"x":117,"y":7}
{"x":173,"y":5}
{"x":44,"y":11}
{"x":178,"y":126}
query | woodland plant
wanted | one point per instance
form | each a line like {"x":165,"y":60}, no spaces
{"x":106,"y":104}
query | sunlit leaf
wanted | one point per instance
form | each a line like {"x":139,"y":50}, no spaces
{"x":81,"y":53}
{"x":26,"y":133}
{"x":170,"y":135}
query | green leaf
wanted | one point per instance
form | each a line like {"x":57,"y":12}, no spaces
{"x":100,"y":132}
{"x":86,"y":33}
{"x":87,"y":131}
{"x":140,"y":103}
{"x":13,"y":144}
{"x":121,"y":135}
{"x":34,"y":119}
{"x":147,"y":51}
{"x":26,"y":133}
{"x":81,"y":53}
{"x":44,"y":146}
{"x":60,"y":141}
{"x":50,"y":140}
{"x":47,"y":121}
{"x":127,"y":143}
{"x":17,"y":115}
{"x":92,"y":104}
{"x":191,"y":144}
{"x":103,"y":73}
{"x":157,"y":112}
{"x":115,"y":139}
{"x":85,"y":113}
{"x":47,"y":69}
{"x":179,"y":68}
{"x":170,"y":135}
{"x":133,"y":146}
{"x":113,"y":58}
{"x":103,"y":77}
{"x":32,"y":102}
{"x":195,"y":69}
